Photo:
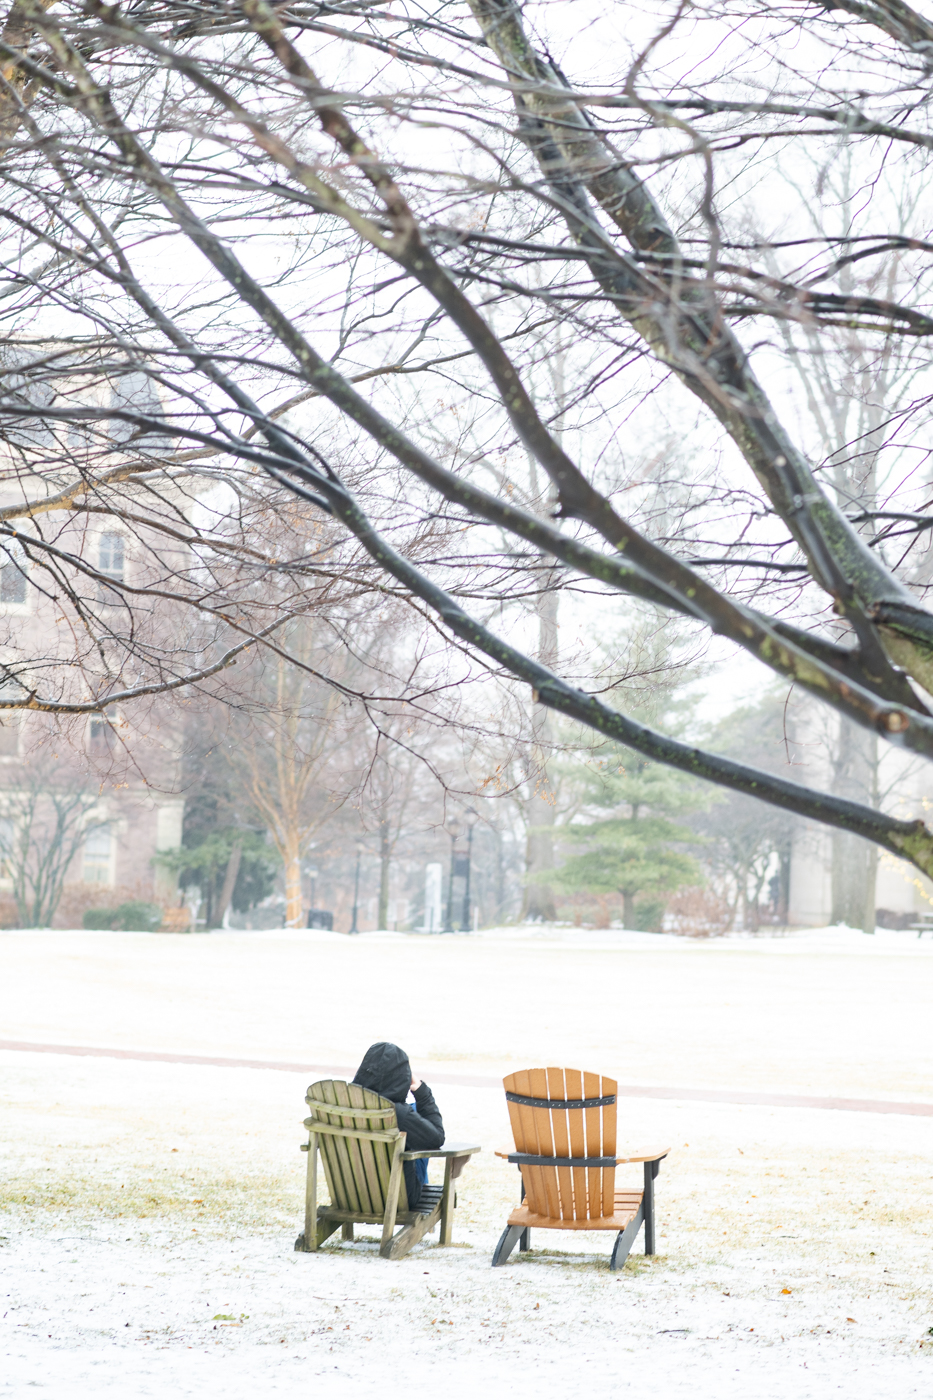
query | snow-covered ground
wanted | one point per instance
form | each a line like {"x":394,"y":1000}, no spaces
{"x":150,"y":1206}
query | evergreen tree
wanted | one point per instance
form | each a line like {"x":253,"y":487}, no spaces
{"x":206,"y":863}
{"x":637,"y":851}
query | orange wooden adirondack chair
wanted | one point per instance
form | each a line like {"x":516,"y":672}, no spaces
{"x":564,"y":1125}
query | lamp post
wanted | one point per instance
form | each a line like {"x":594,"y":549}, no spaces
{"x":472,"y":819}
{"x":453,"y":828}
{"x":356,"y":887}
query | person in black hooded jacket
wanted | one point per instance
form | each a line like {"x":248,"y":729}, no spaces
{"x":386,"y":1070}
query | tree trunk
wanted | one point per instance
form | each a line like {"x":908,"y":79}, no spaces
{"x":755,"y":903}
{"x":628,"y":908}
{"x":854,"y":861}
{"x":500,"y":877}
{"x":294,"y":910}
{"x":226,"y":893}
{"x":744,"y":904}
{"x":385,"y":861}
{"x":539,"y":856}
{"x":783,"y":899}
{"x":539,"y":846}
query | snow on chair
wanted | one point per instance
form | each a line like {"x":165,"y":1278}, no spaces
{"x":564,"y":1126}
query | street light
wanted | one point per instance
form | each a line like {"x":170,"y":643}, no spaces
{"x":312,"y":876}
{"x":453,"y":828}
{"x":356,"y":887}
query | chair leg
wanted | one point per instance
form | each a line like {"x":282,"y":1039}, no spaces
{"x":524,"y":1243}
{"x":507,"y":1242}
{"x":625,"y":1239}
{"x":309,"y":1234}
{"x":651,"y":1171}
{"x":448,"y":1204}
{"x":348,"y":1231}
{"x":322,"y":1231}
{"x":406,"y":1239}
{"x":392,"y":1195}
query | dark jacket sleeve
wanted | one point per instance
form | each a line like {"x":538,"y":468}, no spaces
{"x":424,"y":1128}
{"x":423,"y":1123}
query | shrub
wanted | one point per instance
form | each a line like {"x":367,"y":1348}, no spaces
{"x":135,"y":916}
{"x":99,"y":918}
{"x":699,"y":912}
{"x":649,"y":915}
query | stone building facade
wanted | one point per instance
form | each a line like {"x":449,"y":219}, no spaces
{"x":116,"y":773}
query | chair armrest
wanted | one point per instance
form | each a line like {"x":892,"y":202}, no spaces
{"x":653,"y":1154}
{"x":643,"y":1154}
{"x":458,"y":1149}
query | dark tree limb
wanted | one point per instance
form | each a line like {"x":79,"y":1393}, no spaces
{"x":911,"y":841}
{"x":700,"y":350}
{"x":695,"y":342}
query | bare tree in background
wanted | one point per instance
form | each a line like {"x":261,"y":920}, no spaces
{"x":379,"y":353}
{"x":287,"y":749}
{"x":44,"y":821}
{"x":397,"y":782}
{"x":858,"y":401}
{"x":746,"y":850}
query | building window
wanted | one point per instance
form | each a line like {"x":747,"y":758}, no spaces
{"x":110,"y":560}
{"x":103,"y":738}
{"x":12,"y":574}
{"x":98,"y":852}
{"x":9,"y":734}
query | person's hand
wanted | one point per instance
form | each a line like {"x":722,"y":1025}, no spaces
{"x":415,"y":1084}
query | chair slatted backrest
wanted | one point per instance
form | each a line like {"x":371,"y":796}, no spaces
{"x":356,"y":1168}
{"x":565,"y":1193}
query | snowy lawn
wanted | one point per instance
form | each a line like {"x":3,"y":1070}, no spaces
{"x":150,"y":1207}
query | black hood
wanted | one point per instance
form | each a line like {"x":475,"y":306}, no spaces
{"x":385,"y":1070}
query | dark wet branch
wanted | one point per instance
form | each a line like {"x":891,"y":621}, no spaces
{"x":751,"y":564}
{"x":909,"y":840}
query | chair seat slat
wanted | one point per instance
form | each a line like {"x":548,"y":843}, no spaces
{"x":625,"y":1209}
{"x":547,"y":1181}
{"x":350,"y":1111}
{"x":577,"y":1207}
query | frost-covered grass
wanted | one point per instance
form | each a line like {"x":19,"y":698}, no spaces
{"x":149,"y":1208}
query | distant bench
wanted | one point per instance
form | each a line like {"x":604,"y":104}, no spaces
{"x":923,"y":925}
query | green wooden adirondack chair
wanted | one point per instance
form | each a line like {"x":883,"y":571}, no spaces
{"x":356,"y":1133}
